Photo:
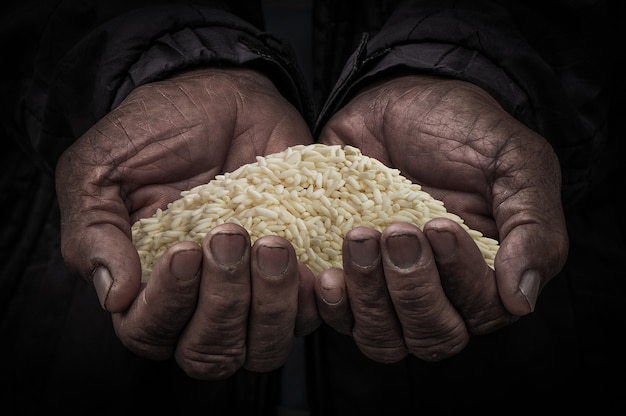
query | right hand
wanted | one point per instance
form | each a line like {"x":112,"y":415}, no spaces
{"x":215,"y":307}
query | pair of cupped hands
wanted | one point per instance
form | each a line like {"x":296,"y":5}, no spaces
{"x":228,"y":304}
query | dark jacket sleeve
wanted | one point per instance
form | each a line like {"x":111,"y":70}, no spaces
{"x":88,"y":59}
{"x":531,"y":63}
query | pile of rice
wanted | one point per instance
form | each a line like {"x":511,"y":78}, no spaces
{"x":310,"y":194}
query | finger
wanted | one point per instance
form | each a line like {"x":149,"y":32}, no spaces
{"x":376,"y":328}
{"x":432,"y":328}
{"x":274,"y":304}
{"x":102,"y":253}
{"x":332,"y":300}
{"x":534,"y":241}
{"x":213,"y":345}
{"x":468,"y":281}
{"x":307,"y":318}
{"x":152,"y":325}
{"x":95,"y":229}
{"x":527,"y":259}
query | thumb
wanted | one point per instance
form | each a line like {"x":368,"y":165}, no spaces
{"x":528,"y":258}
{"x":531,"y":221}
{"x":95,"y":228}
{"x":105,"y":256}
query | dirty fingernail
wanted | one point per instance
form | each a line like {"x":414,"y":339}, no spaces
{"x":442,"y":242}
{"x":364,"y":252}
{"x":404,"y":250}
{"x":529,"y":286}
{"x":227,"y":248}
{"x":272,"y":260}
{"x":185,"y":265}
{"x":102,"y":282}
{"x":331,"y":295}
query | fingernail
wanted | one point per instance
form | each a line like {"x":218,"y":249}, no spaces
{"x":228,"y":249}
{"x":272,"y":260}
{"x":404,"y":250}
{"x":102,"y":281}
{"x":442,"y":242}
{"x":185,"y":265}
{"x":529,"y":286}
{"x":331,"y":295}
{"x":364,"y":252}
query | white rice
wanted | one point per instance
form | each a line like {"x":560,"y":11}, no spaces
{"x":310,"y":194}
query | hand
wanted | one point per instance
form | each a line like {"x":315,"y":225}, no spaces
{"x":214,"y":312}
{"x":423,"y":292}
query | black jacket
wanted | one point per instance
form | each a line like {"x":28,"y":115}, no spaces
{"x":68,"y":63}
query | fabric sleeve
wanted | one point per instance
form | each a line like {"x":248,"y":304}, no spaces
{"x":491,"y":46}
{"x":73,"y":89}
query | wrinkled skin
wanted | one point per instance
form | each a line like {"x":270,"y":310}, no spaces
{"x":406,"y":291}
{"x":215,"y":307}
{"x":227,"y":304}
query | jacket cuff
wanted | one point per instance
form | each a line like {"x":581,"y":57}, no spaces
{"x":474,"y":41}
{"x":150,"y":44}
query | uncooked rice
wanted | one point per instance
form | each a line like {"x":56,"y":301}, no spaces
{"x":310,"y":194}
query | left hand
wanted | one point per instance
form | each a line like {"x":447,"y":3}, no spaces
{"x":424,"y":292}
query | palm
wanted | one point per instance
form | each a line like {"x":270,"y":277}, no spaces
{"x":502,"y":178}
{"x":164,"y":138}
{"x":465,"y":151}
{"x":170,"y":136}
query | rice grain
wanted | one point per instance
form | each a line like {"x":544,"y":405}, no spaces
{"x":310,"y":194}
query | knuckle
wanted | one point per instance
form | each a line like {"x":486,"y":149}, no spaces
{"x":441,"y":345}
{"x":205,"y":365}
